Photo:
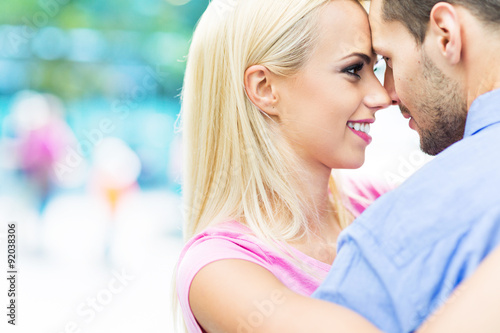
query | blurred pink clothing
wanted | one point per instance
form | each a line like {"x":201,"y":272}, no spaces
{"x":42,"y":147}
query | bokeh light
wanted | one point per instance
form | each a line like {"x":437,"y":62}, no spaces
{"x":90,"y":157}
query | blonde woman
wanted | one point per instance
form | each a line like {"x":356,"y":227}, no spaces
{"x":277,"y":94}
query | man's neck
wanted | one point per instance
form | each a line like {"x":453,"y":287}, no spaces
{"x":484,"y":71}
{"x":482,"y":84}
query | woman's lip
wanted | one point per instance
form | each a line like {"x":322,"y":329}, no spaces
{"x":367,"y":138}
{"x":369,"y":121}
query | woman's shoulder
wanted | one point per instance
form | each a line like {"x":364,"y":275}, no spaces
{"x":228,"y":240}
{"x":233,"y":240}
{"x":221,"y":238}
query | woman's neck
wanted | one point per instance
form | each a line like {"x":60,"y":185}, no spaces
{"x":314,"y":188}
{"x":323,"y":225}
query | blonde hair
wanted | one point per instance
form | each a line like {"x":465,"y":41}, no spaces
{"x":236,"y":166}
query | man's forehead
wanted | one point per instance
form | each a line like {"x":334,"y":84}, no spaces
{"x":377,"y":40}
{"x":376,"y":23}
{"x":375,"y":7}
{"x":375,"y":14}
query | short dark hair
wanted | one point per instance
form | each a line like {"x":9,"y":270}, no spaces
{"x":415,"y":14}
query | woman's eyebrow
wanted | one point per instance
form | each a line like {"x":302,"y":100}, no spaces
{"x":366,"y":58}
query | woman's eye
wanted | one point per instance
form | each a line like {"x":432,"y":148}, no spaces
{"x":354,"y":69}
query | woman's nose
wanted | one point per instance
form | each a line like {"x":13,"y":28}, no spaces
{"x":378,"y":97}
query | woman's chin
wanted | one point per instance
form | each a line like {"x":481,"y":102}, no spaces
{"x":352,"y":164}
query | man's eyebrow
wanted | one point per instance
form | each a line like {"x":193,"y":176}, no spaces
{"x":376,"y":48}
{"x":366,"y":58}
{"x":375,"y":51}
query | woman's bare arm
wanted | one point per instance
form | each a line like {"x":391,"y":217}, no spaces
{"x":240,"y":296}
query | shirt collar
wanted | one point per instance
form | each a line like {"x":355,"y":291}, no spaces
{"x":484,"y":111}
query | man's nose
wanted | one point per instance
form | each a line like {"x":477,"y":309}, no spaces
{"x":389,"y":86}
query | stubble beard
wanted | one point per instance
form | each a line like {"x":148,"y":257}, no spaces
{"x":442,"y":110}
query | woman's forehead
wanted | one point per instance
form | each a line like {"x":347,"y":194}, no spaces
{"x":344,"y":29}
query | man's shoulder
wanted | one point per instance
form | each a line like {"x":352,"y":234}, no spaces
{"x":447,"y":195}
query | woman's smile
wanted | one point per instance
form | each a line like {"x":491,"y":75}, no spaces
{"x":361,"y":128}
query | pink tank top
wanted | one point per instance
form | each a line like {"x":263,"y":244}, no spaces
{"x":232,"y":240}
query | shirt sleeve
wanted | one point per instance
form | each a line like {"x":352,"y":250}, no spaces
{"x":359,"y":282}
{"x":398,"y":294}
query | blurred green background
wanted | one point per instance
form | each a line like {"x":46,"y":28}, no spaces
{"x":86,"y":49}
{"x":99,"y":57}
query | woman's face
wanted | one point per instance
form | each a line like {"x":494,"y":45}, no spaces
{"x":326,"y":109}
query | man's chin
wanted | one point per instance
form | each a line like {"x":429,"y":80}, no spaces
{"x":432,"y":145}
{"x":429,"y":150}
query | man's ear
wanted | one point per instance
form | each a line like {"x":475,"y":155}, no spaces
{"x":260,"y":89}
{"x":445,"y":32}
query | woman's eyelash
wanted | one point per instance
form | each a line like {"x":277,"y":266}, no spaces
{"x":354,"y":69}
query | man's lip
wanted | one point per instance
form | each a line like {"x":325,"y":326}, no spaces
{"x":412,"y":124}
{"x":406,"y":115}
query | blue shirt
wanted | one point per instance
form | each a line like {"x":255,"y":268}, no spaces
{"x":401,"y":259}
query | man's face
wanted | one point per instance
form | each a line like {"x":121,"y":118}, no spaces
{"x":435,"y":104}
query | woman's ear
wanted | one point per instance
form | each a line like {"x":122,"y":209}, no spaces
{"x":260,"y":89}
{"x":446,"y":32}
